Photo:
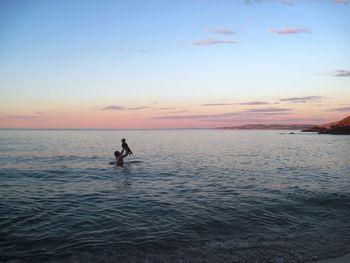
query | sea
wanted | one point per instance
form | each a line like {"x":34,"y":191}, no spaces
{"x":192,"y":195}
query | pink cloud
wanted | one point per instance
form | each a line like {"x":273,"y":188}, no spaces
{"x":268,"y":109}
{"x":113,"y":107}
{"x":341,"y":73}
{"x":138,"y":108}
{"x":164,"y":108}
{"x":254,"y":103}
{"x":210,"y":41}
{"x":302,"y":99}
{"x":121,"y":108}
{"x":22,"y":117}
{"x":346,"y":109}
{"x":240,"y":103}
{"x":217,"y":104}
{"x":183,"y":117}
{"x":180,"y":111}
{"x":290,"y":30}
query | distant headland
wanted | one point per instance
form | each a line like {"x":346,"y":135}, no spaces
{"x":269,"y":127}
{"x":338,"y":127}
{"x":341,"y":127}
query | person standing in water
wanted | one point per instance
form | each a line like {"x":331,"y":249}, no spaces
{"x":119,"y":158}
{"x":126,"y":148}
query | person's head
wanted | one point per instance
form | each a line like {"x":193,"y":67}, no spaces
{"x":116,"y":153}
{"x":123,"y":140}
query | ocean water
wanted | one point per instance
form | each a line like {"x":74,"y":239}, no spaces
{"x":184,"y":196}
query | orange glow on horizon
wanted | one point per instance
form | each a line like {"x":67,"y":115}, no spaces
{"x":146,"y":119}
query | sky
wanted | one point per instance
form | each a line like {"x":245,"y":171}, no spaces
{"x":173,"y":64}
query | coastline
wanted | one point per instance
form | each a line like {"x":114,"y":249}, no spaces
{"x":342,"y":259}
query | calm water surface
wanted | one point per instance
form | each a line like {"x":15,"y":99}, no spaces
{"x":185,"y":196}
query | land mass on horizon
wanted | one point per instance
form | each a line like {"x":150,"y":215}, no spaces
{"x":341,"y":127}
{"x":269,"y":127}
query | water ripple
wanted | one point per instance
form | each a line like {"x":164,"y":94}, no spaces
{"x":264,"y":197}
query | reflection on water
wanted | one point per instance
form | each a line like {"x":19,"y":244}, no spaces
{"x":185,"y":196}
{"x":123,"y":182}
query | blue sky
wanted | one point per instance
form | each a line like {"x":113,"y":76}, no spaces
{"x":63,"y":58}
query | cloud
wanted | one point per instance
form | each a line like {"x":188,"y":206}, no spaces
{"x":233,"y":117}
{"x":23,"y":117}
{"x":120,"y":49}
{"x":210,"y":41}
{"x":287,"y":2}
{"x":180,"y":111}
{"x":240,"y":103}
{"x":341,"y":1}
{"x":257,"y":120}
{"x":165,"y":108}
{"x":138,"y":108}
{"x":183,"y":117}
{"x":227,"y":115}
{"x":268,"y":109}
{"x":290,"y":30}
{"x":341,"y":73}
{"x":216,"y":104}
{"x":113,"y":107}
{"x":273,"y":113}
{"x":222,"y":31}
{"x":254,"y":103}
{"x":198,"y":116}
{"x":302,"y":99}
{"x":341,"y":109}
{"x":121,"y":108}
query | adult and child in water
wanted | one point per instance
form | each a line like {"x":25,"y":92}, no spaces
{"x":119,"y":156}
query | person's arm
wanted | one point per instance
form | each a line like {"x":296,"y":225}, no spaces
{"x":122,"y":151}
{"x":124,"y":155}
{"x":130,"y":152}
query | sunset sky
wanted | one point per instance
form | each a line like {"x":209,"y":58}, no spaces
{"x":174,"y":63}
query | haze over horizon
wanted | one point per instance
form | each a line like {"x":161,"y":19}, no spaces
{"x":173,"y":64}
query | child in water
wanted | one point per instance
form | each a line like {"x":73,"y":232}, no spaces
{"x":126,"y":148}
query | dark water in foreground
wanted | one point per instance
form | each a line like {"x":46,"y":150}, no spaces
{"x":185,"y":196}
